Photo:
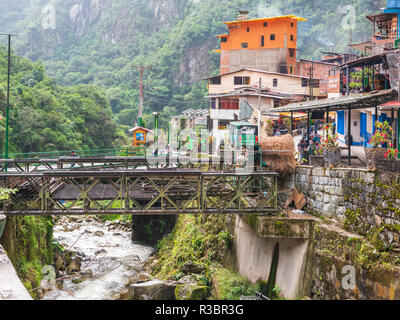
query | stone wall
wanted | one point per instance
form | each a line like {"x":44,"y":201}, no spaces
{"x":359,"y":227}
{"x":364,"y":202}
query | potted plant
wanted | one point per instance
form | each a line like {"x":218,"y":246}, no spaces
{"x":381,"y":138}
{"x":391,"y":162}
{"x":329,"y":148}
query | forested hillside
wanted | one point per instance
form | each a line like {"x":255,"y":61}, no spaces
{"x":100,"y":42}
{"x":45,"y":116}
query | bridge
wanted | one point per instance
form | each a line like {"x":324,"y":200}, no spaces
{"x":132,"y":185}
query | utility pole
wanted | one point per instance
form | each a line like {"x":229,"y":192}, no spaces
{"x":141,"y":69}
{"x":9,"y":35}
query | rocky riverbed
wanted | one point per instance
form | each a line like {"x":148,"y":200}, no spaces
{"x":98,"y":260}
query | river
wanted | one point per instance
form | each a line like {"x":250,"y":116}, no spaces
{"x":107,"y":255}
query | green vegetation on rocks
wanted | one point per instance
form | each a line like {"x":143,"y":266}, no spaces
{"x":28,"y":242}
{"x":198,"y":249}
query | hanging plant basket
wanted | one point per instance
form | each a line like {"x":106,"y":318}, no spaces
{"x":375,"y":158}
{"x":332,"y":157}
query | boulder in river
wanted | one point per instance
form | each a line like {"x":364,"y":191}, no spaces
{"x":191,"y":292}
{"x":74,"y":266}
{"x":152,"y":290}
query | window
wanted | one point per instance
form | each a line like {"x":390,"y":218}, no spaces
{"x":291,"y":70}
{"x":265,"y":24}
{"x":315,"y":83}
{"x":291,"y":53}
{"x":229,"y":104}
{"x":212,"y":103}
{"x":275,"y":82}
{"x":216,"y":80}
{"x":244,"y":45}
{"x":241,"y":81}
{"x":248,"y":29}
{"x":291,"y":37}
{"x":224,"y":39}
{"x":272,"y":37}
{"x":262,"y":41}
{"x":139,"y":136}
{"x":276,"y":103}
{"x":292,"y":24}
{"x":223,"y":124}
{"x":304,"y":82}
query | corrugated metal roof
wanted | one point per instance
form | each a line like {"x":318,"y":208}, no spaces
{"x":355,"y":101}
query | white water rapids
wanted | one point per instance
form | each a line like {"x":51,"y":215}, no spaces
{"x":108,"y":254}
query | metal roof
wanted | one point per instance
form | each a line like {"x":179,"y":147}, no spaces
{"x":268,"y":19}
{"x":365,"y":61}
{"x":355,"y":101}
{"x":259,"y":71}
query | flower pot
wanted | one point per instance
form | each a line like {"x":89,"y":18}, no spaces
{"x":332,"y":157}
{"x":375,"y":156}
{"x":317,"y":161}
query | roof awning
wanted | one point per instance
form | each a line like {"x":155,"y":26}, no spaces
{"x":267,"y":19}
{"x":353,"y":101}
{"x":394,"y":104}
{"x":365,"y":61}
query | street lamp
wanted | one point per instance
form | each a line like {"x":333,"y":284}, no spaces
{"x":9,"y":35}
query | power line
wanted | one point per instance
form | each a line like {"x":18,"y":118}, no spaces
{"x":183,"y":22}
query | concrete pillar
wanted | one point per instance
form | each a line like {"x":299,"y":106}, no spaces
{"x":152,"y":228}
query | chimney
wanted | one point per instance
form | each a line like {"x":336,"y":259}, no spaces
{"x":243,"y":15}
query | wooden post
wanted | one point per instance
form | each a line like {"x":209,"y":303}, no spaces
{"x":363,"y":75}
{"x":393,"y":127}
{"x":327,"y":115}
{"x":373,"y":78}
{"x":291,"y":123}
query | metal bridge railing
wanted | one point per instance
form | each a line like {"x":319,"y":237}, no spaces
{"x":140,"y":192}
{"x":125,"y":151}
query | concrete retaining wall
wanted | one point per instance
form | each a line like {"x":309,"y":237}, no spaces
{"x":254,"y":257}
{"x":11,"y":288}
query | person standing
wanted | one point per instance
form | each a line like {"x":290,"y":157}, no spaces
{"x":73,"y":154}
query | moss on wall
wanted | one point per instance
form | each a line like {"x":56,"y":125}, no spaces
{"x":198,"y":247}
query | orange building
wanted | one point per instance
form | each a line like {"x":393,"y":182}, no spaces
{"x":267,"y":44}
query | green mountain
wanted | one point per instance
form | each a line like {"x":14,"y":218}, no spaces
{"x":101,"y":42}
{"x":45,"y":116}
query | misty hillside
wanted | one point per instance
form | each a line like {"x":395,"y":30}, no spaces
{"x":101,"y":41}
